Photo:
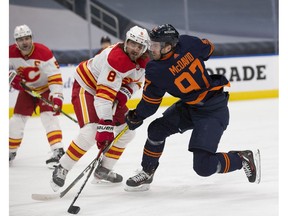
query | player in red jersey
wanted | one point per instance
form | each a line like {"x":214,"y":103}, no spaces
{"x":178,"y":68}
{"x":36,"y":66}
{"x":110,"y":76}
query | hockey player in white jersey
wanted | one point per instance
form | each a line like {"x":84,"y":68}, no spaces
{"x":112,"y":75}
{"x":36,"y":66}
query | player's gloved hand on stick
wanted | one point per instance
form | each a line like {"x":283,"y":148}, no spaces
{"x":123,"y":95}
{"x":57,"y":102}
{"x":16,"y":82}
{"x":133,"y":120}
{"x":105,"y":133}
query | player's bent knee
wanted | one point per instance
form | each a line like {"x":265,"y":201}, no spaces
{"x":157,"y":130}
{"x":49,"y":122}
{"x":16,"y":125}
{"x":202,"y":170}
{"x":202,"y":163}
{"x":86,"y":137}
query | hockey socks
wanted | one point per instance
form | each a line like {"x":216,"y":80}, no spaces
{"x":207,"y":163}
{"x":229,"y":162}
{"x":152,"y":152}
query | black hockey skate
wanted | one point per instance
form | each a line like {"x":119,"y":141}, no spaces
{"x":103,"y":175}
{"x":54,"y":160}
{"x":139,"y":182}
{"x":251,"y":164}
{"x":58,"y":177}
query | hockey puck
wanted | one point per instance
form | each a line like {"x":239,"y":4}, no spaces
{"x":74,"y":209}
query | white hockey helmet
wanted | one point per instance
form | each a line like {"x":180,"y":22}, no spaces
{"x":22,"y":31}
{"x":139,"y":35}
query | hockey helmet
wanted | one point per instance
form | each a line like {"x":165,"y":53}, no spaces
{"x":22,"y":31}
{"x":164,"y":33}
{"x":139,"y":35}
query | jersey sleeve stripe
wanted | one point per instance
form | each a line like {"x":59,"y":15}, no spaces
{"x":55,"y":79}
{"x":151,"y":100}
{"x":106,"y":93}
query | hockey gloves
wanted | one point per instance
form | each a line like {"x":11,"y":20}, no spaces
{"x":104,"y":134}
{"x":123,"y":95}
{"x":57,"y":102}
{"x":16,"y":82}
{"x":133,"y":120}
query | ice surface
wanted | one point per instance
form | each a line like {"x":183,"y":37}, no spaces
{"x":176,"y":189}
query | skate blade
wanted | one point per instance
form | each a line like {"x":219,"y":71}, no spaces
{"x":11,"y":163}
{"x":54,"y":186}
{"x":144,"y":187}
{"x":103,"y":182}
{"x":52,"y":165}
{"x":257,"y":160}
{"x":100,"y":181}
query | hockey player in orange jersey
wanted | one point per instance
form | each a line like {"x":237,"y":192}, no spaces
{"x":36,"y":66}
{"x":112,"y":75}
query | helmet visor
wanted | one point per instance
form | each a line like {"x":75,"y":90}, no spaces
{"x":133,"y":45}
{"x":156,"y":46}
{"x":134,"y":49}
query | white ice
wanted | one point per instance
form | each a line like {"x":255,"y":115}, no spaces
{"x":176,"y":189}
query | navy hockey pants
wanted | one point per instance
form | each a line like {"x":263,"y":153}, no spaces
{"x":207,"y":123}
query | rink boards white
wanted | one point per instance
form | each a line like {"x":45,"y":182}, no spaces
{"x":251,"y":77}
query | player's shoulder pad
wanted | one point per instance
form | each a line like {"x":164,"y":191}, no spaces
{"x":14,"y":51}
{"x":189,"y":39}
{"x":119,"y":60}
{"x":152,"y":70}
{"x":42,"y":51}
{"x":143,"y":61}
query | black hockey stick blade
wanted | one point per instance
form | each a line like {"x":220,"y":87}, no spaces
{"x":73,"y":209}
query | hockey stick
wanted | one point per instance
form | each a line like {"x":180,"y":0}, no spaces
{"x":37,"y":95}
{"x":46,"y":197}
{"x":75,"y":209}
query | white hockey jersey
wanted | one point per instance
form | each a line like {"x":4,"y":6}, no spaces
{"x":104,"y":75}
{"x":40,"y":69}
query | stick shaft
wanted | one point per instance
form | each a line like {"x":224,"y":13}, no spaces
{"x":104,"y":150}
{"x":37,"y":95}
{"x":45,"y":197}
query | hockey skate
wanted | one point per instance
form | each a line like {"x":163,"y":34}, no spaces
{"x":58,"y":178}
{"x":12,"y":156}
{"x":139,"y":182}
{"x":104,"y":175}
{"x":251,"y":164}
{"x":54,"y":160}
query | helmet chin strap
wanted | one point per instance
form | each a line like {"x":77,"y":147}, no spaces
{"x":125,"y":47}
{"x":163,"y":55}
